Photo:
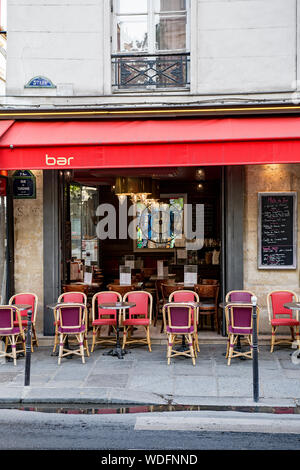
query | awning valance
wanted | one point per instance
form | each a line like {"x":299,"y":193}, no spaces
{"x":149,"y":143}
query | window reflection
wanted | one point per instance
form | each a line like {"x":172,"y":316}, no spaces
{"x":132,"y":33}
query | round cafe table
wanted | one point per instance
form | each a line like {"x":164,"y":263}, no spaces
{"x":294,"y":306}
{"x":117,"y":351}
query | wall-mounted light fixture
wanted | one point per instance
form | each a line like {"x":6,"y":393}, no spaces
{"x":200,"y":174}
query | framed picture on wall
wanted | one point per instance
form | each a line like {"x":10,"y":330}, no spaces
{"x":277,"y":230}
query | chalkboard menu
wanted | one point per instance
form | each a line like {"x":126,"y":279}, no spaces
{"x":277,"y":230}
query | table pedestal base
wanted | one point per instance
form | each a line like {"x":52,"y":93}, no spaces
{"x":119,"y":352}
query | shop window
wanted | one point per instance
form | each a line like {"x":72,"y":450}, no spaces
{"x":150,"y":44}
{"x":83,"y":205}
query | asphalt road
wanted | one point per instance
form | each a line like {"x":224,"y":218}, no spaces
{"x":23,"y":430}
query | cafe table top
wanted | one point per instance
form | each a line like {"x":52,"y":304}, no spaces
{"x":292,"y":305}
{"x":158,"y":278}
{"x":116,"y":305}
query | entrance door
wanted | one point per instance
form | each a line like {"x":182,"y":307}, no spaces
{"x":6,"y":248}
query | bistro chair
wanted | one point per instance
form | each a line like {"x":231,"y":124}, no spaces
{"x":140,"y":315}
{"x":68,"y":297}
{"x":103,"y":317}
{"x":122,"y":290}
{"x":239,"y":322}
{"x":27,"y":298}
{"x":179,"y":321}
{"x":208,"y":296}
{"x":281,"y":316}
{"x":11,"y":329}
{"x":72,"y":322}
{"x":159,"y":299}
{"x":189,"y":296}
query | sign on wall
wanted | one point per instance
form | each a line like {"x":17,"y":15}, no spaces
{"x":277,"y":230}
{"x":24,"y":185}
{"x":40,"y":82}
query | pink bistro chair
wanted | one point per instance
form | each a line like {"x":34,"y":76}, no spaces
{"x":27,"y":299}
{"x":189,"y":296}
{"x":103,"y":317}
{"x":72,"y":322}
{"x":178,"y":322}
{"x":11,"y":329}
{"x":140,"y":315}
{"x":281,"y":316}
{"x":67,"y":297}
{"x":239,"y":321}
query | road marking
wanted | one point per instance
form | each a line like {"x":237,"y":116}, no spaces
{"x":257,"y":424}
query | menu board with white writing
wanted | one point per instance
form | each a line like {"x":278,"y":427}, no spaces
{"x":277,"y":230}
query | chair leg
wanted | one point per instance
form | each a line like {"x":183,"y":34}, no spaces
{"x":13,"y":349}
{"x":227,"y":348}
{"x":61,"y":346}
{"x":148,"y":338}
{"x":292,"y":333}
{"x":81,"y":342}
{"x":170,"y":346}
{"x":86,"y":345}
{"x":191,"y":349}
{"x":231,"y":344}
{"x":297,"y":337}
{"x":124,"y":337}
{"x":95,"y":330}
{"x":273,"y":338}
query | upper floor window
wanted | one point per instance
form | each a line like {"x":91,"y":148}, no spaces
{"x":150,"y":43}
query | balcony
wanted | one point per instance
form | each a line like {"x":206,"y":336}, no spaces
{"x":145,"y":72}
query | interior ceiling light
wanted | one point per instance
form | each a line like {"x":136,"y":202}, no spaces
{"x":200,"y":174}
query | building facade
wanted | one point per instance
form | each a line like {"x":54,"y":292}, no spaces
{"x":155,"y":59}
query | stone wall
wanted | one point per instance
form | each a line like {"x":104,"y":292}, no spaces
{"x":263,"y":178}
{"x":28,"y":234}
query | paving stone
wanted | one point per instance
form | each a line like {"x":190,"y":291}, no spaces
{"x":205,"y":386}
{"x":106,"y":380}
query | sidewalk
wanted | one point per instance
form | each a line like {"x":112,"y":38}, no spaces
{"x":144,"y":378}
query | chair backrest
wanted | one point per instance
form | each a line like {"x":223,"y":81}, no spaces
{"x":120,"y":289}
{"x":26,"y":298}
{"x":76,"y":288}
{"x":168,"y":289}
{"x":214,"y":282}
{"x":239,"y":316}
{"x":73,"y":297}
{"x":207,"y":291}
{"x":143,"y":307}
{"x":178,"y":316}
{"x":104,"y":297}
{"x":276,"y":300}
{"x":185,"y":296}
{"x":72,"y":316}
{"x":239,"y":296}
{"x":7,"y":316}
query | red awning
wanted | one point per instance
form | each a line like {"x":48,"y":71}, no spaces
{"x":149,"y":143}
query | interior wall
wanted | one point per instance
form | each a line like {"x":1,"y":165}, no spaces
{"x":264,"y":178}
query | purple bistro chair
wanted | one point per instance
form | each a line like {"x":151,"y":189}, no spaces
{"x":11,"y":329}
{"x":72,"y":322}
{"x":239,"y":322}
{"x":179,"y":321}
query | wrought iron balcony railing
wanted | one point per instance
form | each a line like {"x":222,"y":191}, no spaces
{"x":150,"y":72}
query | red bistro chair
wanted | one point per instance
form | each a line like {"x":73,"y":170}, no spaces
{"x":27,"y":298}
{"x":72,"y":322}
{"x":68,"y":297}
{"x":11,"y":329}
{"x":140,"y":315}
{"x":189,"y":296}
{"x":103,"y":317}
{"x":178,"y":322}
{"x":239,"y":321}
{"x":281,"y":316}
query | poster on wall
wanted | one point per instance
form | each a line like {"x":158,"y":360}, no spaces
{"x":277,"y":230}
